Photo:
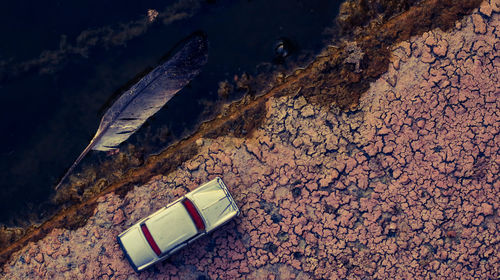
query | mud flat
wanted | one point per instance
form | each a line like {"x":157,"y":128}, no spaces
{"x":379,"y":160}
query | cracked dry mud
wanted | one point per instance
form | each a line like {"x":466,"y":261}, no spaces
{"x":405,"y":187}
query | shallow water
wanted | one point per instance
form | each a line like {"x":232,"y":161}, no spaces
{"x":54,"y":89}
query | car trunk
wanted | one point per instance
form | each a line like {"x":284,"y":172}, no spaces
{"x":137,"y":248}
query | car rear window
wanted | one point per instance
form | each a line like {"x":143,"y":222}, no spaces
{"x":198,"y":221}
{"x":150,"y":240}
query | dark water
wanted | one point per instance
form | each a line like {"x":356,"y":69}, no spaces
{"x":62,"y":61}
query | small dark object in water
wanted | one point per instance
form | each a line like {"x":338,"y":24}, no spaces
{"x":282,"y":49}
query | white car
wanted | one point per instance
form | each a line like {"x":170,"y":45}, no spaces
{"x":158,"y":236}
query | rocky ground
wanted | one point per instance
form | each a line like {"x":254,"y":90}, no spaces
{"x":405,"y":186}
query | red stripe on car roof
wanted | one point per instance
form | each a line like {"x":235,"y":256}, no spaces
{"x":150,"y":240}
{"x":198,"y":221}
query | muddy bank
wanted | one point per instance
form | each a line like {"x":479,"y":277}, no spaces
{"x":298,"y":164}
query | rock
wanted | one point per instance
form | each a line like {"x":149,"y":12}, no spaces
{"x":193,"y":165}
{"x":495,"y":5}
{"x":199,"y":142}
{"x":441,"y":49}
{"x":421,"y":123}
{"x":479,"y":25}
{"x":307,"y":111}
{"x":485,"y":9}
{"x":119,"y":217}
{"x":299,"y":103}
{"x":486,"y":209}
{"x":427,"y":56}
{"x":478,"y":220}
{"x":39,"y":258}
{"x":152,"y":15}
{"x":431,"y":39}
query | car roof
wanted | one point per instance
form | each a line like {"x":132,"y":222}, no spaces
{"x":214,"y":203}
{"x":171,"y":226}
